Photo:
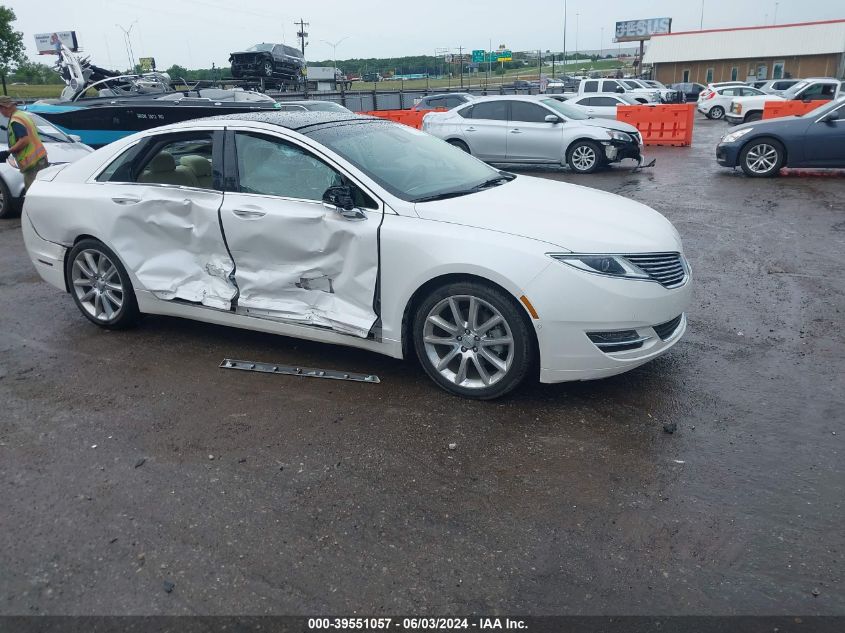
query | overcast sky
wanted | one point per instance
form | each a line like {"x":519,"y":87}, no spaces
{"x":195,"y":33}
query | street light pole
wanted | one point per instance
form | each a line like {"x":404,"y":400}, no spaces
{"x":564,"y":37}
{"x":334,"y":49}
{"x":127,"y":39}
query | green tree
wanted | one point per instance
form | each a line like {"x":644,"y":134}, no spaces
{"x":177,"y":72}
{"x":11,"y":44}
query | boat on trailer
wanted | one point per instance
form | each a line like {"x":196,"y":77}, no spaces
{"x":125,"y":104}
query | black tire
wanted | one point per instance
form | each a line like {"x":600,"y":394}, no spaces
{"x":716,"y":113}
{"x":576,"y":157}
{"x":460,"y":145}
{"x":768,"y":150}
{"x":9,"y":207}
{"x":267,"y":68}
{"x":513,"y":329}
{"x":753,"y":116}
{"x":102,"y":285}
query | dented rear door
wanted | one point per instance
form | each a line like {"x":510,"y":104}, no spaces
{"x":157,"y":205}
{"x":296,"y":259}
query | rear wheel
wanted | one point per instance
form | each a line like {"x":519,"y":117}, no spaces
{"x":100,"y":285}
{"x":472,"y":340}
{"x":716,"y":113}
{"x":460,"y":145}
{"x":584,"y":157}
{"x":267,"y":69}
{"x":762,"y":158}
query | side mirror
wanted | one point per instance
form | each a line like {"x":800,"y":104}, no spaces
{"x":552,"y":118}
{"x":620,"y":90}
{"x":830,"y":117}
{"x":340,"y":197}
{"x":76,"y":137}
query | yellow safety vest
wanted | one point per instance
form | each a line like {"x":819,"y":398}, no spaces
{"x":34,"y":150}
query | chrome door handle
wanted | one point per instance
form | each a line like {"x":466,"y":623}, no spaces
{"x":470,"y":129}
{"x":249,"y":214}
{"x":126,"y":199}
{"x":516,"y":131}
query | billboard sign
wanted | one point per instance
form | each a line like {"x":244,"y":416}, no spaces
{"x":50,"y":43}
{"x":147,"y":64}
{"x":634,"y":30}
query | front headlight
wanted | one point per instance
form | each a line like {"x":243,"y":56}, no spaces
{"x":620,"y":136}
{"x":733,"y":136}
{"x":610,"y":265}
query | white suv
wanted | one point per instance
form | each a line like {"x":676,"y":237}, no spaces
{"x":718,"y":100}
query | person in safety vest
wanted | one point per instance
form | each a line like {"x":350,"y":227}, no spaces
{"x":24,"y":143}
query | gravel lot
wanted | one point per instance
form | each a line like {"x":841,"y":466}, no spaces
{"x":128,"y":459}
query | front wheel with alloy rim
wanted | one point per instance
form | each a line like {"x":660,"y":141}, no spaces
{"x":268,"y":68}
{"x":584,"y":157}
{"x":472,"y":340}
{"x":762,"y":158}
{"x":100,"y":285}
{"x":716,"y":113}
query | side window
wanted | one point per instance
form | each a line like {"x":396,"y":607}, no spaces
{"x":491,"y":110}
{"x":631,"y":84}
{"x":591,"y":86}
{"x":528,"y":112}
{"x":611,"y":86}
{"x":452,"y":102}
{"x":585,"y":101}
{"x":185,"y":162}
{"x":466,"y":112}
{"x":729,"y":92}
{"x":120,"y":169}
{"x":436,"y":102}
{"x":272,"y":167}
{"x":604,"y":102}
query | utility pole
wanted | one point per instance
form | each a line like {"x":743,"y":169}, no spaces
{"x":601,"y":44}
{"x":701,"y":24}
{"x":302,"y":34}
{"x":564,"y":37}
{"x":577,"y":28}
{"x":461,"y":64}
{"x":775,"y":20}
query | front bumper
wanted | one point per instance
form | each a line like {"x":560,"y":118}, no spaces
{"x":618,"y":150}
{"x":603,"y":304}
{"x":727,"y":154}
{"x":734,"y":119}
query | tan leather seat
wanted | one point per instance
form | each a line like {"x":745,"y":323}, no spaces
{"x":163,"y":170}
{"x":201,"y":167}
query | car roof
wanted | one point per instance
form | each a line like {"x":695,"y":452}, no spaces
{"x":296,"y":121}
{"x":449,"y":94}
{"x":532,"y":98}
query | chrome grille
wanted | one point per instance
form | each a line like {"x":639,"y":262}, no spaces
{"x":666,"y":268}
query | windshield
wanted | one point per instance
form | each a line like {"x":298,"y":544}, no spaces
{"x":46,"y":130}
{"x":408,"y":163}
{"x":566,"y":109}
{"x":790,"y":92}
{"x":260,"y":48}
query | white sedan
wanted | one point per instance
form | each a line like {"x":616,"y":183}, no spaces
{"x":603,"y":105}
{"x":358,"y":231}
{"x":716,"y":102}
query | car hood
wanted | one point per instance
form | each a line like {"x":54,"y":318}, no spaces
{"x":62,"y":152}
{"x":66,"y":152}
{"x":571,"y":217}
{"x":609,"y":124}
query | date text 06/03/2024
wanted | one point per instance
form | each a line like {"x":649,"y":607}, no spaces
{"x":415,"y":624}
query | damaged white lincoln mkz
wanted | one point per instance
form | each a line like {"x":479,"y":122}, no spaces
{"x":357,"y":231}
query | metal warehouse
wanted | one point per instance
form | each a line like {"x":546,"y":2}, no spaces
{"x":810,"y":49}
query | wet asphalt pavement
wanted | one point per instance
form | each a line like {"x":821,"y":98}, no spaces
{"x":128,"y":459}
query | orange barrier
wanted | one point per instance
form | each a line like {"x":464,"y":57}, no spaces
{"x":412,"y":118}
{"x":775,"y":109}
{"x":661,"y":124}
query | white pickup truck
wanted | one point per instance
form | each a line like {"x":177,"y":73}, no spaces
{"x":592,"y":86}
{"x":746,"y":109}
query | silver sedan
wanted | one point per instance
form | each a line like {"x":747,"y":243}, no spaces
{"x":602,"y":105}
